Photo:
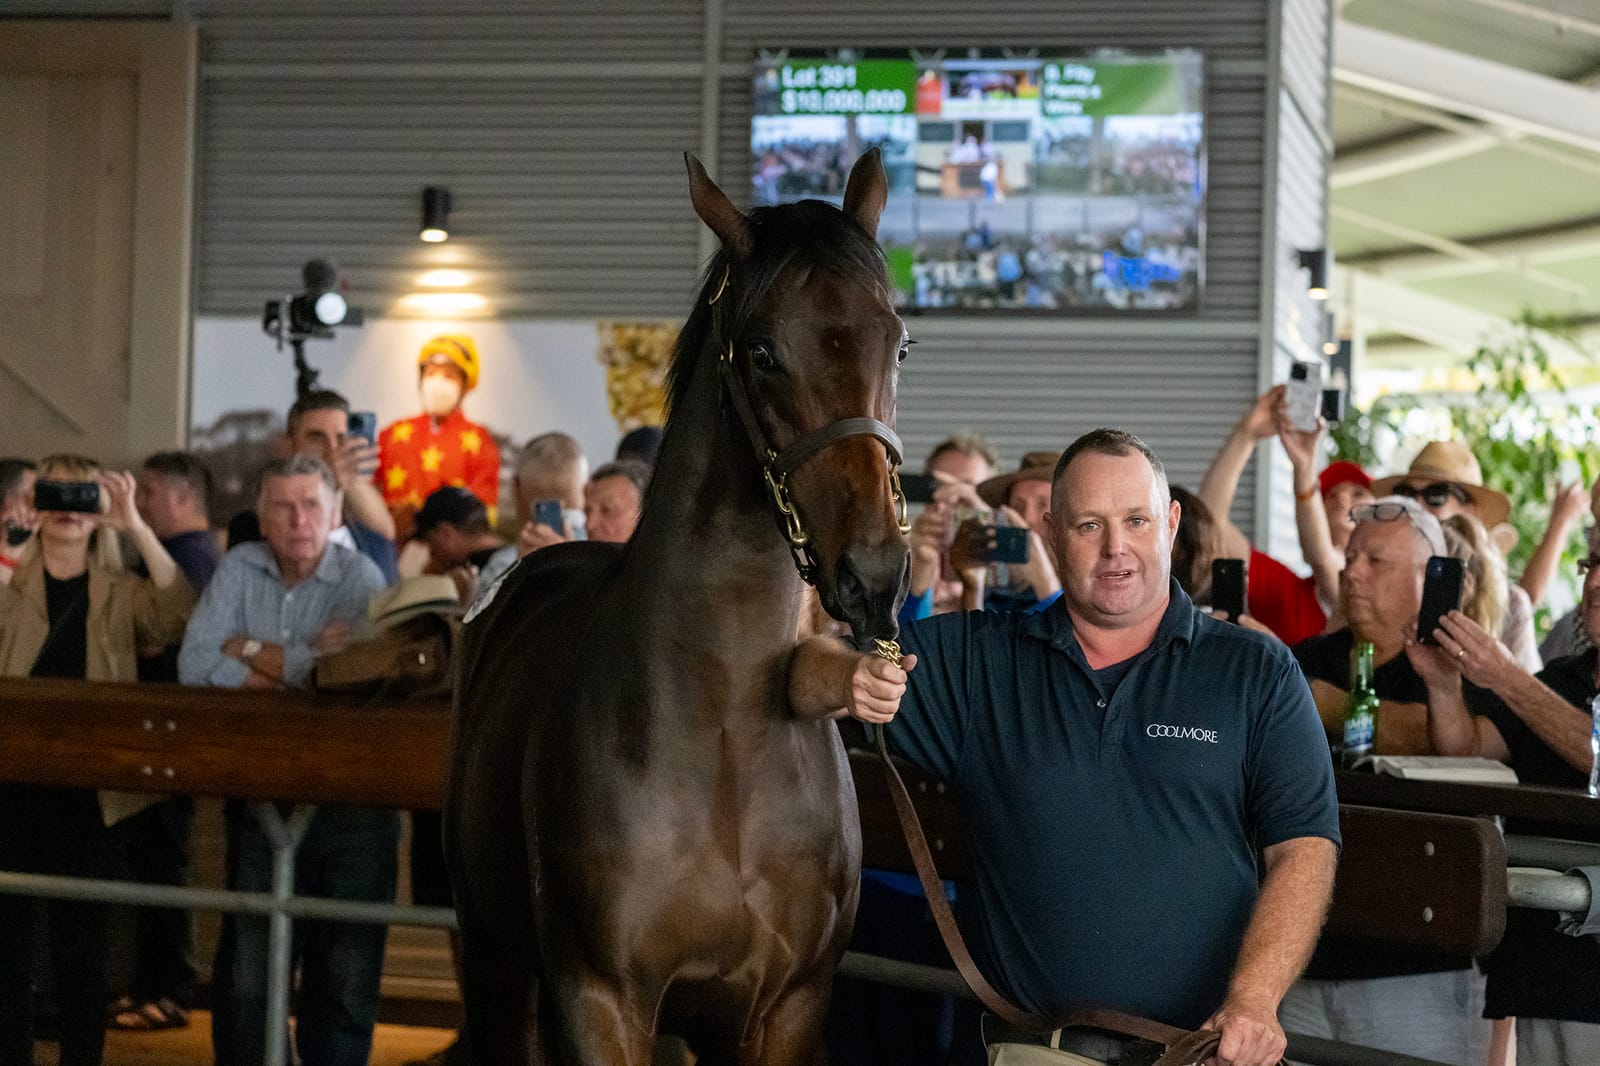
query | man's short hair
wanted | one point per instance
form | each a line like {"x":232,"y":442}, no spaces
{"x":1115,"y":442}
{"x":181,"y":466}
{"x":11,"y":471}
{"x":454,"y":505}
{"x":631,"y":469}
{"x":296,"y":465}
{"x":969,"y":444}
{"x":316,"y":400}
{"x":547,"y":454}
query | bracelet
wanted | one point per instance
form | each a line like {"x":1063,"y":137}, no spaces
{"x":1306,"y":495}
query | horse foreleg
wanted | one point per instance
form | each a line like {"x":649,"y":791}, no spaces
{"x":501,"y":999}
{"x":792,"y":1033}
{"x":602,"y":1026}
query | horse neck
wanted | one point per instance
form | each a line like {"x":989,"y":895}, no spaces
{"x":708,"y":552}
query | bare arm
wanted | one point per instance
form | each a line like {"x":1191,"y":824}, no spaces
{"x":1452,"y":728}
{"x":1402,"y":728}
{"x":1546,"y":558}
{"x":829,"y":680}
{"x":1221,"y":480}
{"x":1310,"y":518}
{"x":353,"y":465}
{"x":1283,"y":929}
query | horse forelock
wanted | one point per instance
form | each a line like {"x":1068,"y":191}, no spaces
{"x":808,"y":234}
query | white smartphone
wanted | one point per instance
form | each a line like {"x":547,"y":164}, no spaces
{"x":1304,"y":395}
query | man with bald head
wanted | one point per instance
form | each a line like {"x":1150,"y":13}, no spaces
{"x":1120,"y":757}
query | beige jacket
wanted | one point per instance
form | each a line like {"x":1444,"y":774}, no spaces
{"x":125,"y":612}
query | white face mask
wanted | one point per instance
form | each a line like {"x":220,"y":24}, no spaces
{"x":439,"y":395}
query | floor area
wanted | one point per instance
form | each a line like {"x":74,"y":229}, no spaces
{"x":393,"y":1045}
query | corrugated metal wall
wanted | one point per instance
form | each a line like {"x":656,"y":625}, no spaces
{"x":559,"y":130}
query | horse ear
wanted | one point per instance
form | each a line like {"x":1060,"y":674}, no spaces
{"x":717,"y":211}
{"x":867,"y":191}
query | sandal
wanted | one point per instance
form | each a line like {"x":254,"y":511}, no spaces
{"x":160,"y":1013}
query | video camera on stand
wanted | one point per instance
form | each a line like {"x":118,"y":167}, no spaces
{"x":313,"y":313}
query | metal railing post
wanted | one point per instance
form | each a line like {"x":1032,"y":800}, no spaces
{"x":285,"y":838}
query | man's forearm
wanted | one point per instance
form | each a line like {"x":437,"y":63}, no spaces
{"x":1220,"y":483}
{"x":819,"y":677}
{"x":1287,"y":919}
{"x":1450,"y":726}
{"x":1559,"y":724}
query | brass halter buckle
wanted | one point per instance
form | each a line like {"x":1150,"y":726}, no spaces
{"x":778,"y":486}
{"x":902,"y":519}
{"x":887,"y":649}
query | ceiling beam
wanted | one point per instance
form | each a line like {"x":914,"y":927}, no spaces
{"x":1503,"y":96}
{"x":1379,"y":305}
{"x":1579,"y":241}
{"x":1466,"y":253}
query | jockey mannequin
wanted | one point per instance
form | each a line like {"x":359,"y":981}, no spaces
{"x":440,"y":446}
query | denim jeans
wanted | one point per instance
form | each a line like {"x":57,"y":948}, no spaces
{"x":349,"y":853}
{"x":157,"y":847}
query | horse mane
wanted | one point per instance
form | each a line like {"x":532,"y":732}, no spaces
{"x":810,"y":234}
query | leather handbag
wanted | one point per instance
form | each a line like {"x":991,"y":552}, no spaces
{"x":411,"y":659}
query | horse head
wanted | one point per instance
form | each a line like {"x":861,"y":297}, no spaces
{"x":810,"y":349}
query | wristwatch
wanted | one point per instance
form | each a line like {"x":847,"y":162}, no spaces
{"x":251,"y":649}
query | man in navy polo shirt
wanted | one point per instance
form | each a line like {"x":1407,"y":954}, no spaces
{"x":1122,"y":761}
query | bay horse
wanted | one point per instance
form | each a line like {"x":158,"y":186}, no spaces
{"x":642,"y":836}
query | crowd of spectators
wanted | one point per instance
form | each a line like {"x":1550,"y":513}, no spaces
{"x":139,"y":588}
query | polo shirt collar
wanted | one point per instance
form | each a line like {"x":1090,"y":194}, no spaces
{"x":1054,"y":625}
{"x":327,"y":570}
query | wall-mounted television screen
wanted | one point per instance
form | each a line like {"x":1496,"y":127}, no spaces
{"x":1056,"y":182}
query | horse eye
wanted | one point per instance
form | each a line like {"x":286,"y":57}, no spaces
{"x":761,"y":356}
{"x":904,"y":354}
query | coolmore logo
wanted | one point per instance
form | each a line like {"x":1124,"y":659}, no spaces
{"x":1181,"y":732}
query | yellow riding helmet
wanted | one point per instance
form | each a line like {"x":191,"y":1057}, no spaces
{"x":456,"y":347}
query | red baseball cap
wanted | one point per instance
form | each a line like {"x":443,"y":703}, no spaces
{"x":1335,"y":474}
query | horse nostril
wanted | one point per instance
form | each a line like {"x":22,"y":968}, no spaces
{"x":849,"y":589}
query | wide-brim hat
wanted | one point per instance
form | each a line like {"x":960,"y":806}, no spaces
{"x":1035,"y":466}
{"x":412,"y":597}
{"x":1452,"y":461}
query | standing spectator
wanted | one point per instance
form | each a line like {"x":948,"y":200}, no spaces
{"x":1565,"y":510}
{"x":72,"y":612}
{"x":965,"y":459}
{"x":640,"y":445}
{"x":440,"y":446}
{"x":271,"y":608}
{"x":174,"y":496}
{"x":612,"y":499}
{"x":1446,"y":479}
{"x":1567,"y":636}
{"x":1322,"y":504}
{"x":17,"y":517}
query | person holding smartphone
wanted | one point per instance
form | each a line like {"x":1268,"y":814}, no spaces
{"x":73,"y":611}
{"x":17,"y":516}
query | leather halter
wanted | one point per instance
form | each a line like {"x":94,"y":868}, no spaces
{"x":776,"y":466}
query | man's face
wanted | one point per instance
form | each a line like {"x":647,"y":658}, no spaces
{"x":1112,"y":537}
{"x":320,"y":433}
{"x":1031,"y":500}
{"x":447,"y":547}
{"x":566,"y":486}
{"x":296,"y":518}
{"x":1337,"y":504}
{"x":163,"y":501}
{"x":1381,"y":589}
{"x":958,"y":466}
{"x":611,"y":509}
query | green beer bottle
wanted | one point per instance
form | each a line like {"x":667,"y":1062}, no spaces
{"x":1360,"y":709}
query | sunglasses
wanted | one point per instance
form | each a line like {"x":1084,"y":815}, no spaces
{"x":1392,"y":512}
{"x":1434,"y":495}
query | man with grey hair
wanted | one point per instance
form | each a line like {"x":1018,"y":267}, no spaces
{"x":1391,"y":998}
{"x":271,"y":608}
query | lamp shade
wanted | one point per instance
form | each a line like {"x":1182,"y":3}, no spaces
{"x":435,"y":214}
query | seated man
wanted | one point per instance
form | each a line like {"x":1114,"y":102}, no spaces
{"x":550,"y":467}
{"x":271,"y":608}
{"x":1548,"y":980}
{"x":1392,"y":998}
{"x":454,"y":524}
{"x":613,"y":498}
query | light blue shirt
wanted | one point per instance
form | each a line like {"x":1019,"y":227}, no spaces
{"x":247,"y":598}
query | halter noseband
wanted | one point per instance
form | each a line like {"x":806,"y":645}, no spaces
{"x":776,"y":466}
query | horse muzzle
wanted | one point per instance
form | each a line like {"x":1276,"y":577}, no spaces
{"x":869,"y":584}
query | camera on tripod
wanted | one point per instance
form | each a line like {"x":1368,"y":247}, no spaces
{"x":312,"y":313}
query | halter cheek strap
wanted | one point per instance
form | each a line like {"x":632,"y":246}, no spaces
{"x":776,"y":466}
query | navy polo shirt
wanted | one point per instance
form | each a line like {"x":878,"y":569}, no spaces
{"x":1115,"y":821}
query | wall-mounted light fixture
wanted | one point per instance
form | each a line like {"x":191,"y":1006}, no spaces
{"x":435,"y":214}
{"x":1330,"y":334}
{"x":1314,"y":262}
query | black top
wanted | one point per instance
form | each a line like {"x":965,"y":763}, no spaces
{"x":1114,"y":832}
{"x":197,"y":556}
{"x":480,"y":558}
{"x":1537,"y":972}
{"x":66,"y":649}
{"x":1327,"y":658}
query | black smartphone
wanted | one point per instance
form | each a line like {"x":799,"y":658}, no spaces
{"x":1441,"y":594}
{"x":363,"y":424}
{"x":548,"y":513}
{"x":1010,"y":544}
{"x":918,"y":488}
{"x":80,"y":496}
{"x":1333,"y":405}
{"x":1227,"y":588}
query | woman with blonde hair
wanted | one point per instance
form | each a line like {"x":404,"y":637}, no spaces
{"x":73,"y":611}
{"x":1483,"y":588}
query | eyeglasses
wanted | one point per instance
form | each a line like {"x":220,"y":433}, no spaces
{"x":1393,"y":512}
{"x":1434,"y":495}
{"x":1587,"y":564}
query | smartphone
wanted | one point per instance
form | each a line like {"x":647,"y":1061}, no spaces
{"x":1227,"y":588}
{"x":918,"y":488}
{"x":548,"y":513}
{"x":363,"y":424}
{"x":80,"y":496}
{"x":1441,"y":594}
{"x":1010,"y":544}
{"x":1304,"y":395}
{"x":1333,"y":405}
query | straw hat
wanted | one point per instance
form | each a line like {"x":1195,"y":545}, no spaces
{"x":1035,"y":466}
{"x":411,"y":597}
{"x":1452,"y":461}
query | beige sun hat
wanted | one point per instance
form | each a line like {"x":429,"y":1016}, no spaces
{"x":411,"y":597}
{"x":1452,"y":461}
{"x":1035,"y":466}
